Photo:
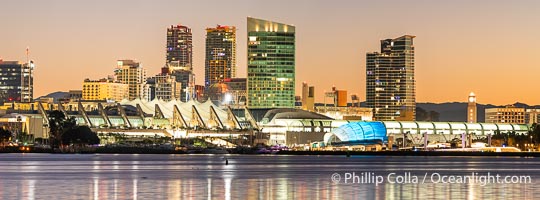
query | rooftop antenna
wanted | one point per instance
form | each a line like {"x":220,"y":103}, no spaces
{"x":27,"y":54}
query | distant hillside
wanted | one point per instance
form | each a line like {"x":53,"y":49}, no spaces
{"x":56,"y":95}
{"x":457,"y":111}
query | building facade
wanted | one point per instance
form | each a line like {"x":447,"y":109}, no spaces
{"x":183,"y":75}
{"x":198,"y":93}
{"x":508,"y":114}
{"x":166,"y":88}
{"x":179,"y":61}
{"x":308,"y":97}
{"x":346,"y":113}
{"x":390,"y":81}
{"x":134,"y":75}
{"x":338,"y":97}
{"x":104,"y":89}
{"x":75,"y":95}
{"x":238,"y":90}
{"x":271,"y":64}
{"x":16,"y":81}
{"x":532,"y":116}
{"x":471,"y":109}
{"x":180,"y":45}
{"x":220,"y":62}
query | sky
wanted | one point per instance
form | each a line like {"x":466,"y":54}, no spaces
{"x":490,"y":48}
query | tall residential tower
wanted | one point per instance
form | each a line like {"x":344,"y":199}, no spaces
{"x":179,"y":45}
{"x":180,"y":58}
{"x":271,"y":64}
{"x":390,"y":82}
{"x":220,"y":63}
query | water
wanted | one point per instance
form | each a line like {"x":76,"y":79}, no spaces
{"x":108,"y":176}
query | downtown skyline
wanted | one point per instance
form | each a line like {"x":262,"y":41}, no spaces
{"x":462,"y":47}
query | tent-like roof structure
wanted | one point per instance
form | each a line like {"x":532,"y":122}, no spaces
{"x":190,"y":111}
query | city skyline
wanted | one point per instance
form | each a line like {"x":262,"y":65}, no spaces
{"x":497,"y":64}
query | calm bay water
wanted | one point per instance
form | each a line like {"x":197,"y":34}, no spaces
{"x":108,"y":176}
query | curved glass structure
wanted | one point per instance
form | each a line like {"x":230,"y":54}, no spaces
{"x":397,"y":127}
{"x":358,"y":132}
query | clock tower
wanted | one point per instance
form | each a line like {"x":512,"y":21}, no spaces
{"x":471,"y":109}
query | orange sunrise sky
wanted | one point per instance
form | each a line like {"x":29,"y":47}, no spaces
{"x":489,"y":47}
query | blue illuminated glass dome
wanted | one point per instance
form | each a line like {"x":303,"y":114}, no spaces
{"x":358,"y":133}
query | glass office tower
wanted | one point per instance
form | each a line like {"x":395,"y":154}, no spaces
{"x":16,"y":81}
{"x":271,"y":64}
{"x":390,"y":83}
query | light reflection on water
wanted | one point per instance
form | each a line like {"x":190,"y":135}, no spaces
{"x":72,"y":176}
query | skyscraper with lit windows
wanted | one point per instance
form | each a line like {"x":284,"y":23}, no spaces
{"x":134,"y":75}
{"x":390,"y":82}
{"x":16,"y":81}
{"x":220,"y":62}
{"x":271,"y":64}
{"x":179,"y":45}
{"x":179,"y":61}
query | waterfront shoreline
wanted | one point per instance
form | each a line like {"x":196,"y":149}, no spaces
{"x":141,"y":150}
{"x":411,"y":153}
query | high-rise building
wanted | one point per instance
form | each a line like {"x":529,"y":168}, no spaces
{"x":220,"y":63}
{"x":390,"y":82}
{"x":179,"y":45}
{"x":185,"y":77}
{"x":16,"y":81}
{"x":133,"y":74}
{"x":164,"y":86}
{"x":271,"y":64}
{"x":471,"y":109}
{"x":179,"y":61}
{"x":308,"y":97}
{"x":509,"y":114}
{"x":104,"y":89}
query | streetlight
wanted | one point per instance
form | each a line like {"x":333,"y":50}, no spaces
{"x":531,"y":144}
{"x":17,"y":127}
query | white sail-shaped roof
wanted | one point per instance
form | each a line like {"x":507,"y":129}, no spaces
{"x":185,"y":108}
{"x":141,"y":103}
{"x":168,"y":113}
{"x":124,"y":102}
{"x":221,"y":113}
